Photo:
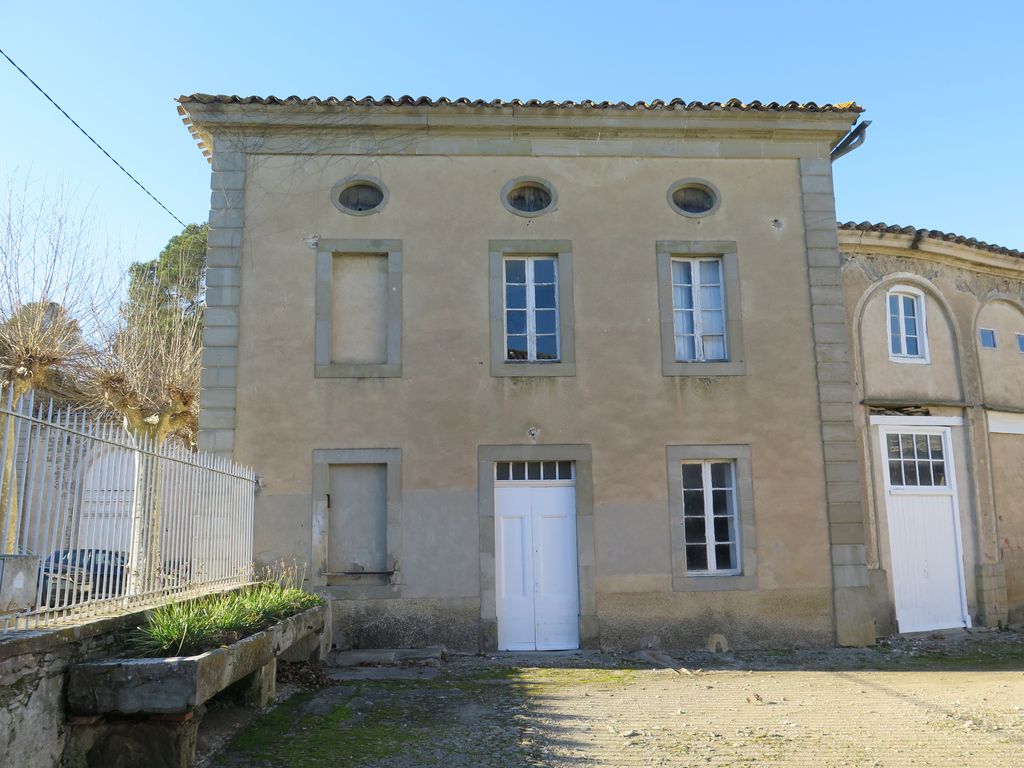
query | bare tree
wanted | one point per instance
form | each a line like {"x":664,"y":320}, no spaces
{"x":50,"y":283}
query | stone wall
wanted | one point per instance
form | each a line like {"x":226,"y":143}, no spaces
{"x":33,"y":669}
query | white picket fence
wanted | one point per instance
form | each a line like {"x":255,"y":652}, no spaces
{"x":99,"y":521}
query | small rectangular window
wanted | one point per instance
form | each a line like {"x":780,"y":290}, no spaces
{"x":710,"y":525}
{"x":906,"y":326}
{"x":1020,"y":342}
{"x":698,"y":310}
{"x":531,"y":309}
{"x":988,"y":338}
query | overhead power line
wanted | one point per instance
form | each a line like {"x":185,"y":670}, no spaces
{"x":90,"y":138}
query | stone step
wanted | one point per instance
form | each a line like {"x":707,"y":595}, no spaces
{"x":389,"y":657}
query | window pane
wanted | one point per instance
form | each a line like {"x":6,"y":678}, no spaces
{"x":895,"y":472}
{"x":723,"y":530}
{"x":693,"y":503}
{"x":912,"y":348}
{"x":544,"y":271}
{"x":683,"y":321}
{"x":921,"y":444}
{"x":721,"y":477}
{"x":720,"y":502}
{"x":711,"y":297}
{"x":893,"y":443}
{"x":517,"y":349}
{"x":939,"y":473}
{"x":515,"y":321}
{"x":935,"y":442}
{"x":696,"y":557}
{"x":681,"y":272}
{"x":693,"y":477}
{"x":518,"y":470}
{"x":924,"y":473}
{"x":565,"y":470}
{"x":502,"y":471}
{"x":1020,"y":342}
{"x":909,"y":306}
{"x":895,"y":346}
{"x":533,"y":470}
{"x":550,"y":470}
{"x":988,"y":338}
{"x":686,"y":348}
{"x":713,"y":320}
{"x":693,"y":527}
{"x":724,"y":557}
{"x":909,"y":473}
{"x":714,"y":348}
{"x":544,"y":296}
{"x":894,"y":305}
{"x":547,"y":347}
{"x":907,"y":444}
{"x":682,"y":297}
{"x":546,"y":321}
{"x":710,"y":272}
{"x":911,"y":325}
{"x":515,"y":297}
{"x":515,"y":271}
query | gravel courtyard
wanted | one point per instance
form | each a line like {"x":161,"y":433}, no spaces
{"x":931,"y":702}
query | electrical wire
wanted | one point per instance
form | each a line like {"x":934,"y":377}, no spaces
{"x":90,"y":138}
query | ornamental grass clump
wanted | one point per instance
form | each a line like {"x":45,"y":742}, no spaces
{"x":194,"y":626}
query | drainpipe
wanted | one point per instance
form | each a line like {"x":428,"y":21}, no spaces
{"x":851,"y":141}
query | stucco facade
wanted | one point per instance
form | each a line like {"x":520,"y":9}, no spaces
{"x":957,"y":384}
{"x":428,"y":405}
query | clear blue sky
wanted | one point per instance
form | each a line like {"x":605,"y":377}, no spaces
{"x":943,"y":84}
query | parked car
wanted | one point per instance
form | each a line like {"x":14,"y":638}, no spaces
{"x":73,"y":575}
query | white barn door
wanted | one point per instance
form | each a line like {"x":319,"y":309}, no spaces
{"x":535,"y":562}
{"x":924,"y":528}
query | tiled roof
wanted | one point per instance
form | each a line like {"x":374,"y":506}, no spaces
{"x":733,"y":105}
{"x":932,"y":234}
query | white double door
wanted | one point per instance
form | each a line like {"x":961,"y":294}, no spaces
{"x":537,"y":586}
{"x":924,"y":528}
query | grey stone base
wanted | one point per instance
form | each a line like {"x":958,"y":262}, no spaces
{"x":407,"y":623}
{"x":133,"y":743}
{"x":855,"y":625}
{"x":993,"y":607}
{"x":685,"y":620}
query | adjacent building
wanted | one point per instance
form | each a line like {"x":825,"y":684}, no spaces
{"x":523,"y":375}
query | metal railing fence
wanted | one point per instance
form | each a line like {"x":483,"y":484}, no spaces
{"x":95,"y":520}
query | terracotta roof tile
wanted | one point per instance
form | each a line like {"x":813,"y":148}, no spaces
{"x":932,"y":234}
{"x":733,"y":105}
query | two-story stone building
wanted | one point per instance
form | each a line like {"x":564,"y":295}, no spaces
{"x":537,"y":375}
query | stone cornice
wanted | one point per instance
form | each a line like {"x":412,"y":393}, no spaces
{"x":913,"y":246}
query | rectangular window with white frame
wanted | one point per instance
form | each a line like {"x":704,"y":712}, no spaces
{"x":987,"y":337}
{"x":711,"y":517}
{"x":698,"y":309}
{"x":710,"y":524}
{"x":531,"y":309}
{"x":908,"y":337}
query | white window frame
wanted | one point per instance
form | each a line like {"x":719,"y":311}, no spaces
{"x":995,"y":338}
{"x":922,"y":357}
{"x":531,"y":308}
{"x":696,"y":294}
{"x":709,"y":520}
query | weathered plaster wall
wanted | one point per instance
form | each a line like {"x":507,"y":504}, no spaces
{"x":613,"y":210}
{"x":1002,"y":368}
{"x":1008,"y":480}
{"x":964,"y":289}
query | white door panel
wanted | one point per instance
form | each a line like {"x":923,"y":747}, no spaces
{"x":535,"y":567}
{"x":925,"y":545}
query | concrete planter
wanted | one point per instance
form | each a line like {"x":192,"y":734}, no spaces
{"x":179,"y":684}
{"x":145,"y":712}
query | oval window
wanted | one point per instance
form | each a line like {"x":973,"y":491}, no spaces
{"x":527,"y":196}
{"x":693,"y":198}
{"x":359,"y":195}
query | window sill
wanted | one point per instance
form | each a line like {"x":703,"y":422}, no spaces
{"x":909,"y":360}
{"x":713,"y":583}
{"x":358,"y":371}
{"x":724,"y":368}
{"x":503,"y":368}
